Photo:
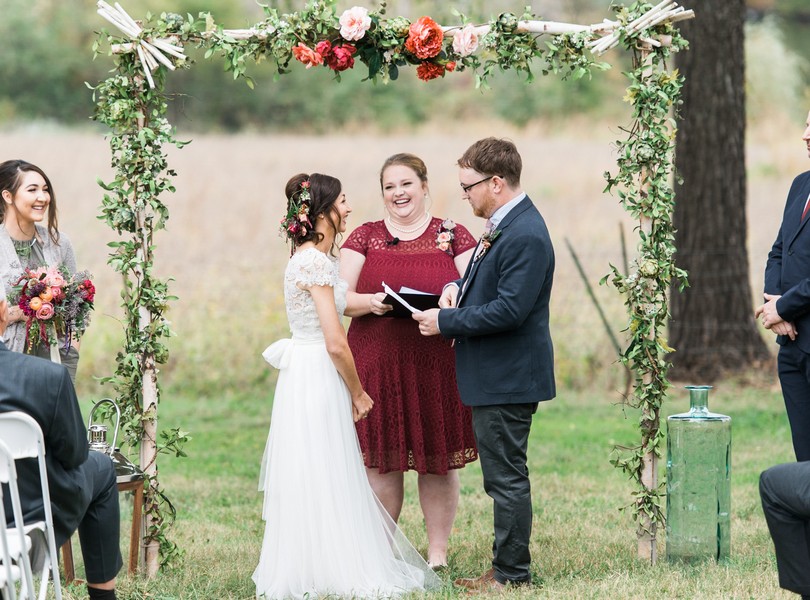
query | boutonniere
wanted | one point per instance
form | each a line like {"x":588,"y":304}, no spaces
{"x":486,"y":241}
{"x":445,"y":236}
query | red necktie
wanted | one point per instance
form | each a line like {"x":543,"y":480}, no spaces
{"x":806,"y":206}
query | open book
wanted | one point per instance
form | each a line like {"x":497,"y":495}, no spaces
{"x":408,"y":301}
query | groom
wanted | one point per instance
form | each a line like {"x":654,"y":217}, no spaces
{"x":498,"y":316}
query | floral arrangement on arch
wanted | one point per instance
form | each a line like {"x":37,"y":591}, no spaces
{"x":318,"y":37}
{"x":55,"y":303}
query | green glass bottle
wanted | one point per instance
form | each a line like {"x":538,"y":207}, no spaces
{"x":698,"y":482}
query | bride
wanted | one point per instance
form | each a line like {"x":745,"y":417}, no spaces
{"x":326,"y":533}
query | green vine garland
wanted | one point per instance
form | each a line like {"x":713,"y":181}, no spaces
{"x":135,"y":114}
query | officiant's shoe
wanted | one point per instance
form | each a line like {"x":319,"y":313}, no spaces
{"x":483,"y":584}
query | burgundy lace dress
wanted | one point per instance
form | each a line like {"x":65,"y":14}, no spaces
{"x":418,"y":421}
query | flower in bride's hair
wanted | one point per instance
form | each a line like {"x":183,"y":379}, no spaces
{"x":465,"y":40}
{"x":354,"y":22}
{"x":307,"y":55}
{"x":424,"y":38}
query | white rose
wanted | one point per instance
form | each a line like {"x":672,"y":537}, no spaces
{"x":465,"y":40}
{"x":354,"y":22}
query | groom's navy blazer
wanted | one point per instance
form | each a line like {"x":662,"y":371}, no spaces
{"x":503,"y":345}
{"x":788,"y":270}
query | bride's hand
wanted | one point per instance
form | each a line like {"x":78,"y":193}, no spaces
{"x":361,"y":405}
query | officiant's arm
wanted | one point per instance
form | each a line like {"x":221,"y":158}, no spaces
{"x":338,"y":348}
{"x":358,"y":305}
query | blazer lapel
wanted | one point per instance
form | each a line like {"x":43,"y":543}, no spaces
{"x":472,"y":268}
{"x":796,"y":212}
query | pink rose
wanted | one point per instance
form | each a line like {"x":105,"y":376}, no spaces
{"x":444,"y":246}
{"x":465,"y":40}
{"x":307,"y":55}
{"x":443,"y":237}
{"x":354,"y":23}
{"x":324,"y":48}
{"x":424,"y":39}
{"x":45,"y":311}
{"x":58,"y":293}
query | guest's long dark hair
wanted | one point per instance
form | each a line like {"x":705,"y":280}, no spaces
{"x":11,"y":176}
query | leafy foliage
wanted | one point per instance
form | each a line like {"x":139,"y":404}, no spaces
{"x":136,"y":117}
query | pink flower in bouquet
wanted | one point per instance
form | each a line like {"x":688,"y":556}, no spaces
{"x":54,"y":277}
{"x":424,"y":38}
{"x":428,"y":70}
{"x":354,"y":23}
{"x":307,"y":55}
{"x":57,"y":293}
{"x":465,"y":40}
{"x":45,"y":311}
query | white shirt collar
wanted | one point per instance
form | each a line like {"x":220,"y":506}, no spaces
{"x":499,"y":214}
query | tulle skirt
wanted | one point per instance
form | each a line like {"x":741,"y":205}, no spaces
{"x":326,"y":532}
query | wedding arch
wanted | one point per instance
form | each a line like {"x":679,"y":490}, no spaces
{"x":133,"y":105}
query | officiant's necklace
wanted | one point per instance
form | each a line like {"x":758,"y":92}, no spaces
{"x":413,"y":230}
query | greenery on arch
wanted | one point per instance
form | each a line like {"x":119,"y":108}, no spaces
{"x":133,"y":105}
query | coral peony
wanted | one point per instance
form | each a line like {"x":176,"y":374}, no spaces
{"x":424,"y":38}
{"x":428,"y":70}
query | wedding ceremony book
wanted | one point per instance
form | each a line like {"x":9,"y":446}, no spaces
{"x":408,"y":301}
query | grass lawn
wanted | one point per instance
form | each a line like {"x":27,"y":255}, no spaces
{"x":583,"y":546}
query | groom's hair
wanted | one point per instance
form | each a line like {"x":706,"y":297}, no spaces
{"x":493,"y":156}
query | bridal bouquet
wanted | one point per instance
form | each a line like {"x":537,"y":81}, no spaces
{"x":55,"y":303}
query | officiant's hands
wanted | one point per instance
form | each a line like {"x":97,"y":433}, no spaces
{"x":428,"y":321}
{"x":376,"y":304}
{"x":361,"y":405}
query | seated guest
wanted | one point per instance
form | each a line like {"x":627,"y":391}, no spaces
{"x":83,"y":489}
{"x":785,"y":493}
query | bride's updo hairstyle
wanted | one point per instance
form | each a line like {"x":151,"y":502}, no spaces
{"x":308,"y":197}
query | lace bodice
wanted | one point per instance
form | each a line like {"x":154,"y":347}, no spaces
{"x":306,"y":268}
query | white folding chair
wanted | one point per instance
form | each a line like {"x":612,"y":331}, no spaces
{"x":14,"y":543}
{"x":23,"y":437}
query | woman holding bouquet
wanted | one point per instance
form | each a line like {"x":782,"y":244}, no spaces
{"x":326,"y":532}
{"x":418,"y":422}
{"x":26,"y":243}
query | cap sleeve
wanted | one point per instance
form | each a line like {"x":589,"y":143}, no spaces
{"x":358,"y":240}
{"x":463,"y":240}
{"x":315,"y":269}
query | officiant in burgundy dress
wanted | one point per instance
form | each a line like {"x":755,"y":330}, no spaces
{"x":418,"y":421}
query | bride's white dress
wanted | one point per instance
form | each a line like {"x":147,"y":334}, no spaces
{"x":326,"y":532}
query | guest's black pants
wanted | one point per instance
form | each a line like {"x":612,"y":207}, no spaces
{"x":785,"y":493}
{"x":502,"y":435}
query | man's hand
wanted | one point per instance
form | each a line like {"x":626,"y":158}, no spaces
{"x":448,"y":297}
{"x":428,"y":321}
{"x":767,"y":312}
{"x":785,"y":328}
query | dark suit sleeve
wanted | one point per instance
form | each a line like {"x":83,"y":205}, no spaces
{"x":773,"y":269}
{"x":67,"y":437}
{"x":795,"y":302}
{"x":523,"y":265}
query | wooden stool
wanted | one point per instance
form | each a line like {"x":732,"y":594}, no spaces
{"x":136,"y":486}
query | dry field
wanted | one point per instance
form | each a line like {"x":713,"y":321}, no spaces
{"x":222,"y":248}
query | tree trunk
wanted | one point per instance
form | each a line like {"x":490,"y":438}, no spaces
{"x":713,"y":328}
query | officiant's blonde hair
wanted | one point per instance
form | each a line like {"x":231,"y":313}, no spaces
{"x":405,"y":159}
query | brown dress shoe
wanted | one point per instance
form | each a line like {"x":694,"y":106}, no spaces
{"x":484,"y":583}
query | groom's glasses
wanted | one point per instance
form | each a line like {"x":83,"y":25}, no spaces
{"x":466,"y":188}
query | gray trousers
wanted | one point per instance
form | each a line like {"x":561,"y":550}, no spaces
{"x":785,"y":494}
{"x":502,"y":435}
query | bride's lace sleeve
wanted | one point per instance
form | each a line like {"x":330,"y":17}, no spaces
{"x":315,"y":269}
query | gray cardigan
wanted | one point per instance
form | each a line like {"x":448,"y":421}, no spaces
{"x":11,"y":269}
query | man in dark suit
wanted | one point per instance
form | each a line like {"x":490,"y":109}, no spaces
{"x":785,"y":494}
{"x":83,"y":489}
{"x":498,"y":315}
{"x":786,"y":310}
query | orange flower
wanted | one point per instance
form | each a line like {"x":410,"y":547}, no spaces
{"x":428,"y":70}
{"x":424,"y":38}
{"x":35,"y":303}
{"x":307,"y":55}
{"x":46,"y":295}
